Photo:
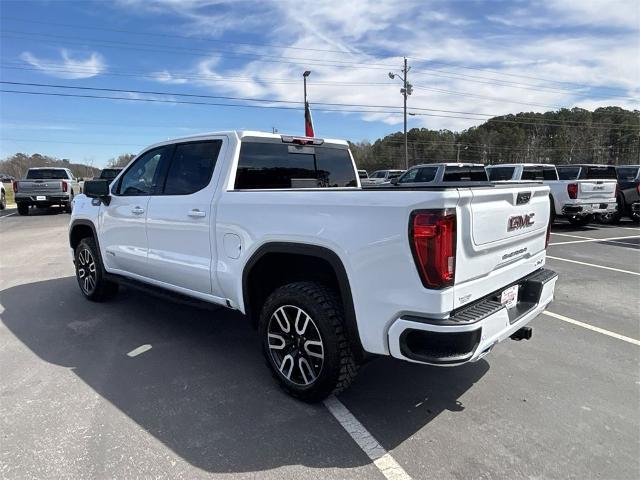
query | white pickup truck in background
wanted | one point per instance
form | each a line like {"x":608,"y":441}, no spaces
{"x":279,"y":228}
{"x":578,"y":192}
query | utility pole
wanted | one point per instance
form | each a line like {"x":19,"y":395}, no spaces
{"x":458,"y":156}
{"x":406,"y":90}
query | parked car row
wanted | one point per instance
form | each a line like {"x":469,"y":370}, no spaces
{"x":579,"y":193}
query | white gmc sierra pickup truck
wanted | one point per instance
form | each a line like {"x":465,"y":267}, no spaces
{"x":578,"y":192}
{"x":280,"y":229}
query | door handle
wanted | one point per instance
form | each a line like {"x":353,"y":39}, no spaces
{"x":137,"y":210}
{"x":196,"y":213}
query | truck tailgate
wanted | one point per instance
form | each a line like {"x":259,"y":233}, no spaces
{"x":501,"y":237}
{"x":39,"y":186}
{"x":596,"y":189}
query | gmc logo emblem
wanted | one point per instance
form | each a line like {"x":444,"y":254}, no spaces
{"x":517,"y":222}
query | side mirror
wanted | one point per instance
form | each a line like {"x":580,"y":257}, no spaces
{"x":394,"y":181}
{"x":97,"y":189}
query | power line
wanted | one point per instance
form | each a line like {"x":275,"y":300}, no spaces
{"x":73,"y":143}
{"x":306,"y":61}
{"x":248,"y":99}
{"x":323,"y":109}
{"x":341,"y":52}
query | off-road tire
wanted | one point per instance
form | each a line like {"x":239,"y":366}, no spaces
{"x":86,"y":255}
{"x":324,"y":308}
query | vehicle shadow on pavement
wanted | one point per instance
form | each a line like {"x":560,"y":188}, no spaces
{"x":203,"y":388}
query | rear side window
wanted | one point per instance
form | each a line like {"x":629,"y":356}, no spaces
{"x":549,"y":173}
{"x":191,"y":167}
{"x":274,"y":165}
{"x":568,"y":173}
{"x":600,"y":173}
{"x":500,"y":173}
{"x":47,"y":174}
{"x":627,"y":173}
{"x":532,"y":173}
{"x":464,"y":174}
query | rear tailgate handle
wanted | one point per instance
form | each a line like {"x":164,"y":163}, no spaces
{"x":137,"y":210}
{"x":197,"y":213}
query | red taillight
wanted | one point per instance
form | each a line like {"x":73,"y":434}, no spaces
{"x":64,"y":186}
{"x":15,"y":186}
{"x":572,"y":190}
{"x":432,"y":234}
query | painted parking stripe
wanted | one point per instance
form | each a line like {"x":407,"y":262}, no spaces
{"x":139,"y":350}
{"x":611,"y":239}
{"x":567,"y":235}
{"x":8,"y":215}
{"x":369,"y":445}
{"x":593,"y":265}
{"x":591,"y":327}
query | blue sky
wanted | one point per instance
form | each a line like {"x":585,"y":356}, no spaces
{"x":481,"y":57}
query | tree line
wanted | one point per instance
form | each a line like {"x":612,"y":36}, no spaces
{"x":16,"y":165}
{"x":609,"y":135}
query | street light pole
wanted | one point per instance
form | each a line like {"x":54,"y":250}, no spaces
{"x":406,"y":90}
{"x":404,"y":94}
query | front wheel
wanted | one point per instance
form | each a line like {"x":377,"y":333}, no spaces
{"x":90,"y":272}
{"x":3,"y":201}
{"x":580,"y":221}
{"x":304,"y":340}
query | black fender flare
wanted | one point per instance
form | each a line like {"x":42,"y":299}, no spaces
{"x":313,"y":251}
{"x":86,"y":223}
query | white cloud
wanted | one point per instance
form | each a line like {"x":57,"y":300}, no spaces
{"x":375,"y":34}
{"x":69,"y":67}
{"x":165,"y":77}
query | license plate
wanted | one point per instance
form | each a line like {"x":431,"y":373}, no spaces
{"x":41,"y":197}
{"x":509,"y":297}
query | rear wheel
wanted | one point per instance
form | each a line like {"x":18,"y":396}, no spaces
{"x":90,"y":272}
{"x":304,"y":341}
{"x":580,"y":221}
{"x":3,"y":201}
{"x":23,"y":209}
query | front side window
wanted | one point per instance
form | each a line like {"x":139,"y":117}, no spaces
{"x":275,"y":165}
{"x":500,"y":173}
{"x":191,"y":167}
{"x":417,"y":175}
{"x":141,"y":177}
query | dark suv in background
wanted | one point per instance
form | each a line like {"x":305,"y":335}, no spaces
{"x":628,"y":192}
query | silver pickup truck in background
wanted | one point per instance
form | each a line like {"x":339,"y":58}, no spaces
{"x":44,"y":187}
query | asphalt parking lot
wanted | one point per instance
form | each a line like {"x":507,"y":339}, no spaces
{"x":200,"y":401}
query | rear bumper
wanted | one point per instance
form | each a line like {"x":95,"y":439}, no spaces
{"x":44,"y":199}
{"x":471,"y":332}
{"x":589,"y":208}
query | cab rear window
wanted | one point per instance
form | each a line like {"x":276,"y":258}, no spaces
{"x":455,"y":173}
{"x":500,"y":173}
{"x":599,"y":173}
{"x":265,"y":165}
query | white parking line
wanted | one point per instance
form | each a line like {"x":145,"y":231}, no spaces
{"x":369,"y":445}
{"x":137,"y":351}
{"x":567,"y":235}
{"x":588,"y":239}
{"x":593,"y":265}
{"x":8,"y":215}
{"x":591,"y":327}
